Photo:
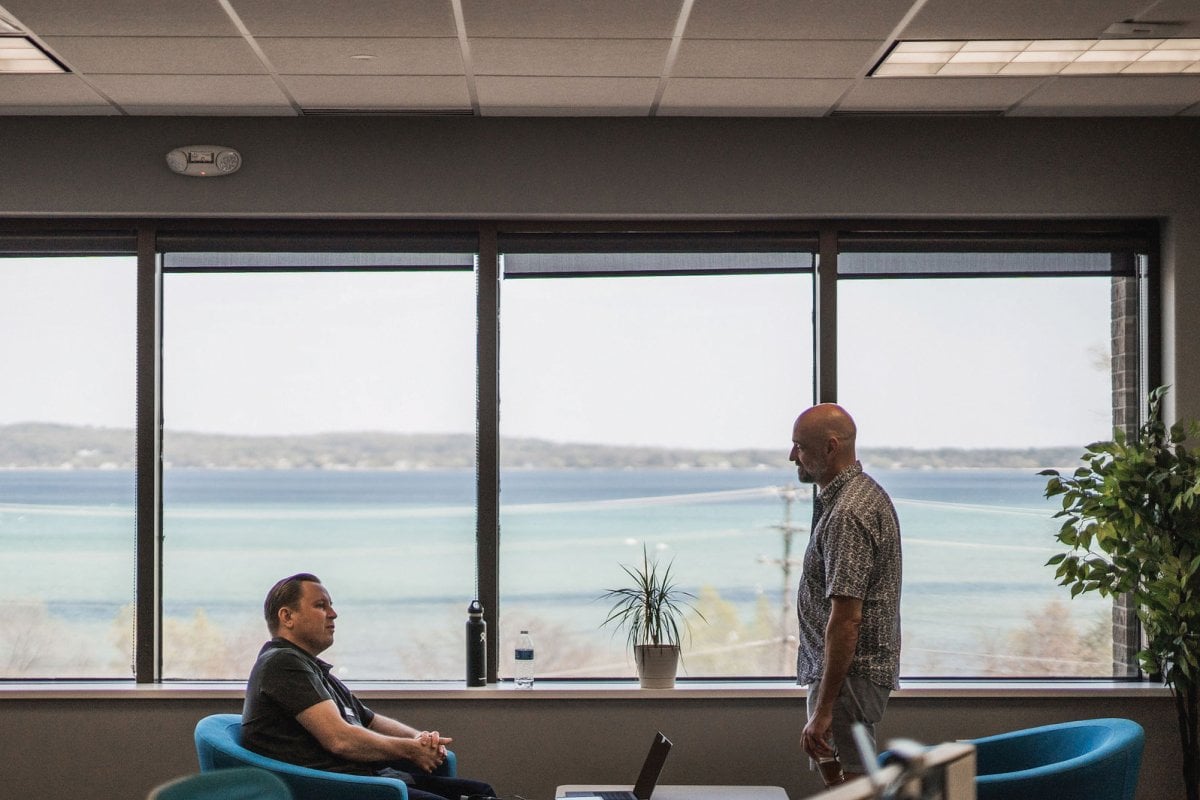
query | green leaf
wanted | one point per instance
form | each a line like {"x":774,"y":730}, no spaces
{"x":651,"y":607}
{"x":1136,"y":501}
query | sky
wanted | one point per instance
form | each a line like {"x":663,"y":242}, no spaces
{"x":686,"y":362}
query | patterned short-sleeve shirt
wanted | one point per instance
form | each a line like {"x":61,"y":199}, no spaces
{"x":853,"y":551}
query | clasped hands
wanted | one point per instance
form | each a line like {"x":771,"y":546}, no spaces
{"x":431,"y":749}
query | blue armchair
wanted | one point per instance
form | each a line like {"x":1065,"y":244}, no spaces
{"x":218,"y":746}
{"x":238,"y":783}
{"x":1096,"y":759}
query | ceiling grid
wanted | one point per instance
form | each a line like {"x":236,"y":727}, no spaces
{"x":633,"y":58}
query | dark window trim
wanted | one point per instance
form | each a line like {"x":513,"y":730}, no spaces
{"x":827,"y":237}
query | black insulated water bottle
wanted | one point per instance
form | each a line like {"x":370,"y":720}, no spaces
{"x":476,"y":645}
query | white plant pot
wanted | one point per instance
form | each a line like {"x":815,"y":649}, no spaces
{"x":656,"y":665}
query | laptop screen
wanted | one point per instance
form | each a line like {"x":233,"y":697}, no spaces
{"x":652,"y":767}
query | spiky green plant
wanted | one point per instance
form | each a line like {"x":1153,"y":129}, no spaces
{"x":652,"y":608}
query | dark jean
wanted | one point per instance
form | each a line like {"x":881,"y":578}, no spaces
{"x":424,"y":786}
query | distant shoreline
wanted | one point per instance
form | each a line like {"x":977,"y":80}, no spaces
{"x":65,"y":447}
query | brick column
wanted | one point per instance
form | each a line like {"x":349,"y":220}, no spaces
{"x":1126,"y":409}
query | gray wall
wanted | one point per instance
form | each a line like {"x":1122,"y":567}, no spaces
{"x":580,"y":169}
{"x":109,"y":749}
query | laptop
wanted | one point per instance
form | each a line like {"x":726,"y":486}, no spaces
{"x":647,"y":779}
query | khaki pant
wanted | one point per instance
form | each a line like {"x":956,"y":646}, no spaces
{"x":859,"y":701}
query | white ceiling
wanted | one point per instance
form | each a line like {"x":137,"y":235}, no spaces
{"x":563,"y":57}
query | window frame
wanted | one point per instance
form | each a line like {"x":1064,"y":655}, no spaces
{"x":36,"y":238}
{"x":84,"y":236}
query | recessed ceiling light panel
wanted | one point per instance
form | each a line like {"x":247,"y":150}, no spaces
{"x":19,"y":54}
{"x":959,"y":58}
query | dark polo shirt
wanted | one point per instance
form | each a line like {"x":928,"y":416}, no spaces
{"x":285,"y":681}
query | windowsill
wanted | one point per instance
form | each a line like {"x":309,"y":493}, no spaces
{"x":584,"y":690}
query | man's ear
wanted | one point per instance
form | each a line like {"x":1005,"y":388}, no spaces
{"x":285,"y":617}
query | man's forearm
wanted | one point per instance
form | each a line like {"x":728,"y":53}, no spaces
{"x":392,"y":727}
{"x":354,"y":743}
{"x":841,"y":640}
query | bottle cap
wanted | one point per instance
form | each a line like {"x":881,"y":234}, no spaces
{"x":475,"y":609}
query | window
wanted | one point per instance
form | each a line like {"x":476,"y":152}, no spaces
{"x":327,"y":405}
{"x":647,"y":395}
{"x":319,"y":417}
{"x":67,"y":460}
{"x":963,"y":388}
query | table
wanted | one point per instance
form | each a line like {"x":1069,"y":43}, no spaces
{"x":684,"y":792}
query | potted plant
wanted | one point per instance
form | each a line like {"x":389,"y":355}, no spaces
{"x":1131,"y":517}
{"x":651,"y":611}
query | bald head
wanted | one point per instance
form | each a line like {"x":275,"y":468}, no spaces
{"x":823,"y":443}
{"x":830,"y":419}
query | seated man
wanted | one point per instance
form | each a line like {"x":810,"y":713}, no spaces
{"x":296,"y":711}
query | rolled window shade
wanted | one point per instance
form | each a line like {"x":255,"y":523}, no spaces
{"x":282,"y":252}
{"x":69,"y":243}
{"x":564,"y":255}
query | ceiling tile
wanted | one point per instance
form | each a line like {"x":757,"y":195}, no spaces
{"x":136,"y":55}
{"x":539,"y":19}
{"x":48,"y":90}
{"x":58,"y":111}
{"x":314,"y":56}
{"x":190,"y":91}
{"x":937,"y":94}
{"x":380,"y":92}
{"x":617,"y":95}
{"x":1143,"y":95}
{"x":789,"y":19}
{"x":121,"y":17}
{"x":403,"y":18}
{"x":1018,"y":19}
{"x":725,"y":58}
{"x":562,"y":111}
{"x":570,"y":57}
{"x":750,"y":96}
{"x":211,"y":111}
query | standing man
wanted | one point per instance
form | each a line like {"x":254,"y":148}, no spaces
{"x":296,"y":711}
{"x":848,"y":602}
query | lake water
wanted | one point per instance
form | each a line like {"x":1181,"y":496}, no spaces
{"x":397,"y":551}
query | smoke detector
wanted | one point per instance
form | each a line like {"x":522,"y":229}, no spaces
{"x":204,"y":160}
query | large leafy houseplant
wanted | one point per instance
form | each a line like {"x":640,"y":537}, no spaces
{"x":652,"y":610}
{"x":1131,"y":517}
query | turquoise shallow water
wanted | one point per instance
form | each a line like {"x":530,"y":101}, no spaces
{"x":397,"y":551}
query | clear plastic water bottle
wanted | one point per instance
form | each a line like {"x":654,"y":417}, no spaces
{"x":523,"y":658}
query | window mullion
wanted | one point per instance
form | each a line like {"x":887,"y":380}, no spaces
{"x":825,"y":319}
{"x":487,"y":442}
{"x":147,"y":639}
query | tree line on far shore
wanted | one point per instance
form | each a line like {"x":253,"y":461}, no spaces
{"x":55,"y":446}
